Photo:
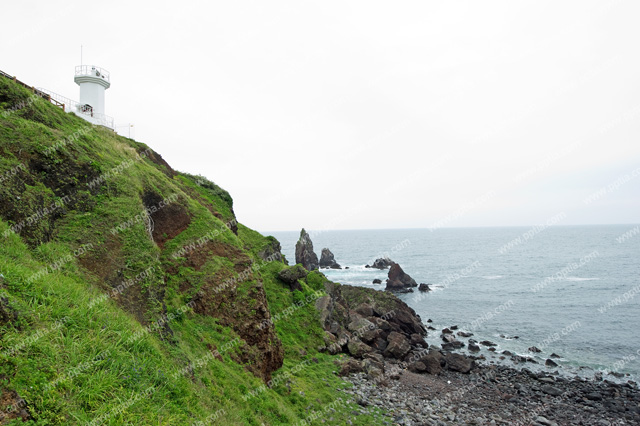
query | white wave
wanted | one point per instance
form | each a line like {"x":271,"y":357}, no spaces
{"x":493,"y":277}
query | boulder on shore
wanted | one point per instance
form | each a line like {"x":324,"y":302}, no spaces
{"x":327,"y":260}
{"x":304,"y":252}
{"x":398,"y":280}
{"x":381,"y":263}
{"x":460,"y":363}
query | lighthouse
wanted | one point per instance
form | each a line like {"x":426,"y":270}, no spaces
{"x":93,"y":81}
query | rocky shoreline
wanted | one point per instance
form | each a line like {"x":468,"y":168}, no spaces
{"x":394,"y":370}
{"x":493,"y":395}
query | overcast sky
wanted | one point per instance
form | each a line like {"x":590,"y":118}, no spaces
{"x":366,"y":114}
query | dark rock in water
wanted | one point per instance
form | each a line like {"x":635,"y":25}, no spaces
{"x":398,"y":280}
{"x":473,"y":347}
{"x":304,"y":252}
{"x":446,"y":337}
{"x":487,"y":343}
{"x":381,"y":263}
{"x":431,"y":328}
{"x":460,"y":363}
{"x":616,"y":374}
{"x":424,"y":287}
{"x":550,"y":363}
{"x":450,"y":346}
{"x":492,"y":349}
{"x":291,"y":275}
{"x":534,"y":349}
{"x":346,"y":267}
{"x":454,"y":327}
{"x":377,"y":281}
{"x":446,"y":331}
{"x":464,"y":334}
{"x":327,"y":260}
{"x":429,"y":320}
{"x":554,"y":355}
{"x":508,"y":353}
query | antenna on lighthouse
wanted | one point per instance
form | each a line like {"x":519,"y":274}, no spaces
{"x":80,"y":54}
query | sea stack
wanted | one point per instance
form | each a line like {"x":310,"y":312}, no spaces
{"x":398,"y":280}
{"x":381,"y":263}
{"x":304,"y":252}
{"x":327,"y":260}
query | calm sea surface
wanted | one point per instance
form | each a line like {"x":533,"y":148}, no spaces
{"x":572,"y":290}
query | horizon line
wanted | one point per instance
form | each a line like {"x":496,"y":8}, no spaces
{"x":449,"y":227}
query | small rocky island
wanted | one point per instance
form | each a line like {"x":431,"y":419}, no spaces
{"x":399,"y":281}
{"x":327,"y":260}
{"x":304,"y":252}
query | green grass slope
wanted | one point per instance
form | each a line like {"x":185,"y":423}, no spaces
{"x":130,"y":296}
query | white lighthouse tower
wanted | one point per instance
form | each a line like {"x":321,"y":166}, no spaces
{"x":93,"y":81}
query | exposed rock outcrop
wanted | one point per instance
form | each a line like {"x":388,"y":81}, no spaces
{"x":376,"y":328}
{"x":398,"y":280}
{"x":304,"y":252}
{"x":378,"y":320}
{"x":291,"y":275}
{"x":424,"y":287}
{"x":327,"y":260}
{"x":272,"y":252}
{"x":381,"y":263}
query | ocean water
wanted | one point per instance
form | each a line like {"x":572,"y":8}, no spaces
{"x":569,"y":290}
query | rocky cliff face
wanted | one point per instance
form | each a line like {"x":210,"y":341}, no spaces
{"x":304,"y":252}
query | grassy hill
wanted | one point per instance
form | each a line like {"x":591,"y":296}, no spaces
{"x":129,"y":294}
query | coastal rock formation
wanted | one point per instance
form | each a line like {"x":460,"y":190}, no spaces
{"x":381,"y":263}
{"x":327,"y":260}
{"x":377,"y":281}
{"x":304,"y":252}
{"x":291,"y":275}
{"x":424,"y":287}
{"x":378,"y":319}
{"x":398,"y":280}
{"x":376,"y":327}
{"x":272,"y":251}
